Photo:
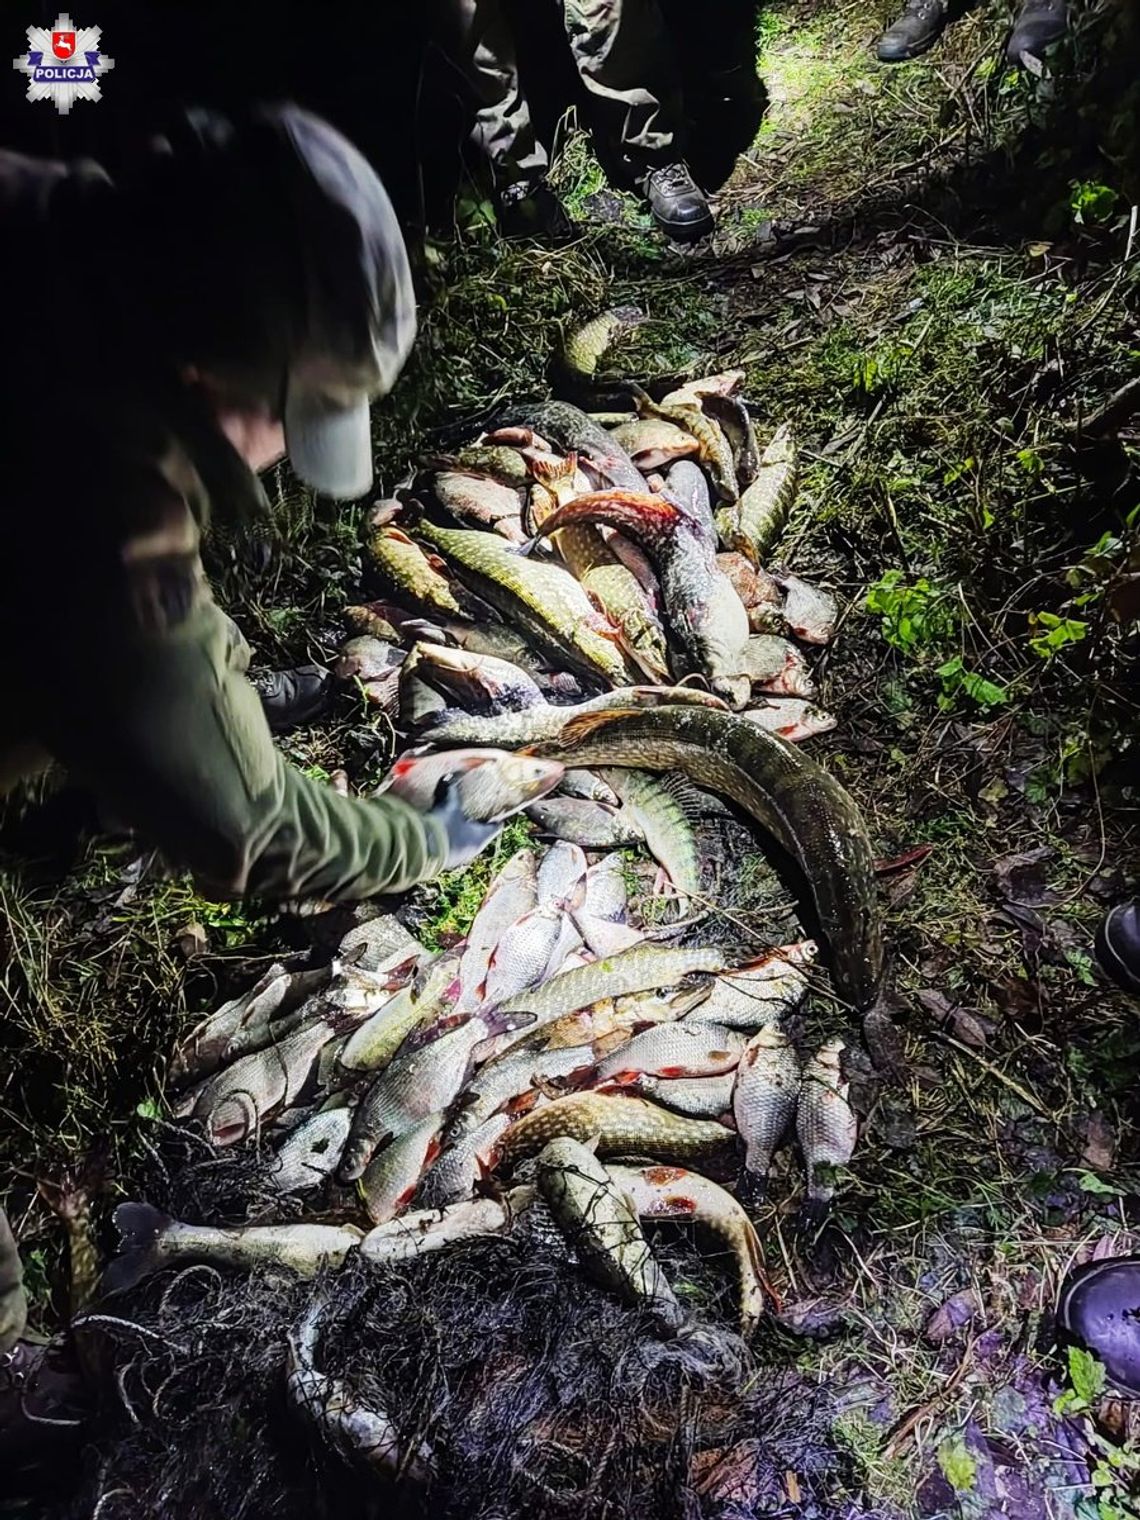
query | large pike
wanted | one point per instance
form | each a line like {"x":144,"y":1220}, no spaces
{"x":575,"y":432}
{"x":622,"y":1126}
{"x":671,"y":1193}
{"x":406,"y":570}
{"x":601,"y":1224}
{"x":806,"y":810}
{"x":543,"y":600}
{"x":706,"y":618}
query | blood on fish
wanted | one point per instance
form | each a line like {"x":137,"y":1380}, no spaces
{"x":660,"y":1175}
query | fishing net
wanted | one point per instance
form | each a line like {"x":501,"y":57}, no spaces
{"x":530,"y":1391}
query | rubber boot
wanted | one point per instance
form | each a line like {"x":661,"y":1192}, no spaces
{"x":1099,"y":1309}
{"x":292,"y":697}
{"x":534,"y":211}
{"x":1039,"y":24}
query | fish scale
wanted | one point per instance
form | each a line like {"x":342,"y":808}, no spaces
{"x":763,"y":1102}
{"x":623,"y":1126}
{"x":665,"y":821}
{"x":691,"y":1048}
{"x":825,"y":1123}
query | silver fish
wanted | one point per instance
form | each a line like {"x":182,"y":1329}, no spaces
{"x":811,"y":613}
{"x":491,"y":784}
{"x":369,"y":945}
{"x":559,"y":873}
{"x":389,"y":1182}
{"x":773,"y":664}
{"x":601,"y":1224}
{"x":204,"y":1048}
{"x":479,"y":681}
{"x":312,"y":1151}
{"x":420,"y":1082}
{"x":825,"y":1124}
{"x":513,"y":893}
{"x":586,"y":785}
{"x":515,"y":1076}
{"x":763,"y":1103}
{"x":523,"y":953}
{"x":762,"y":993}
{"x":468,"y":1155}
{"x":238,"y":1100}
{"x":691,"y":1048}
{"x":791,"y":718}
{"x":423,"y":1231}
{"x":592,"y":825}
{"x":695,"y":1097}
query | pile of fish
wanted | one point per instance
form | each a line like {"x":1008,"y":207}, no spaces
{"x":552,"y":561}
{"x":411,"y":1088}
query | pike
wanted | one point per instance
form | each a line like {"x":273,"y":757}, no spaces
{"x":663,"y":812}
{"x":542,"y":600}
{"x":671,"y":1193}
{"x":424,"y":1231}
{"x":686,"y":484}
{"x":403,"y":566}
{"x":601,"y":1224}
{"x":574,"y":432}
{"x":372,"y":1045}
{"x":705,"y":616}
{"x":763,"y":509}
{"x":713,"y":447}
{"x":806,"y":810}
{"x":621,"y":1125}
{"x":541,"y":723}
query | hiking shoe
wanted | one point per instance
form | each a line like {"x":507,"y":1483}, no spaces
{"x":1099,"y":1309}
{"x":917,"y":29}
{"x":1039,"y":24}
{"x":43,"y":1406}
{"x":531,"y":209}
{"x":679,"y":205}
{"x":1118,"y":946}
{"x":290,"y":698}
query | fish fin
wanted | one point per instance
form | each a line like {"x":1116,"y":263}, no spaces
{"x":582,"y":728}
{"x":139,"y":1225}
{"x":553,"y":471}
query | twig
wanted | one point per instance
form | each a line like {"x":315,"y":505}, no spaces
{"x":907,"y":1424}
{"x":1015,"y":1087}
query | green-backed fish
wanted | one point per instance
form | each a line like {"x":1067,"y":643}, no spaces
{"x":601,"y":1224}
{"x":622,"y":1126}
{"x":652,"y":442}
{"x":408,"y":572}
{"x":543,"y":600}
{"x":664,"y":813}
{"x":671,"y":1193}
{"x":714,"y":450}
{"x":764,"y":506}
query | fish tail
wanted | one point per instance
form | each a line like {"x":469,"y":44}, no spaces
{"x":554,"y":471}
{"x":812,"y":1213}
{"x":141,"y":1227}
{"x":755,"y":1253}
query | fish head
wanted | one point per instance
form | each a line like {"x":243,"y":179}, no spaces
{"x":736,"y":690}
{"x":830,"y":1055}
{"x":529,"y":777}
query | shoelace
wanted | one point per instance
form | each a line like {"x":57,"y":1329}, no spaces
{"x":674,"y":177}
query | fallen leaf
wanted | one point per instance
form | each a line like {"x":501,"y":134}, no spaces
{"x":957,"y":1311}
{"x":1036,"y":250}
{"x":1099,"y":1148}
{"x":192,"y":939}
{"x":913,"y":857}
{"x":1020,"y":877}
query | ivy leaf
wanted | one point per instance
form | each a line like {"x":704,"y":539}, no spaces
{"x":958,"y":1467}
{"x":1086,"y":1374}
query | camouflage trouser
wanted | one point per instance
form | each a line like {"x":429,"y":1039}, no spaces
{"x":13,"y":1303}
{"x":622,"y":55}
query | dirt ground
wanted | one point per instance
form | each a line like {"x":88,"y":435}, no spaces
{"x":932,"y":272}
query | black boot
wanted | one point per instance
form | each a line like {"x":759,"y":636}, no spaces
{"x":1039,"y":24}
{"x":1118,"y":946}
{"x":43,"y":1409}
{"x":1099,"y":1309}
{"x":918,"y":28}
{"x":292,"y":697}
{"x":678,"y":203}
{"x":533,"y":210}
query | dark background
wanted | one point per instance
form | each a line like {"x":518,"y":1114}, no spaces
{"x":371,"y":68}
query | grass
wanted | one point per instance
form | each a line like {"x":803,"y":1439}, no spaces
{"x":931,"y":341}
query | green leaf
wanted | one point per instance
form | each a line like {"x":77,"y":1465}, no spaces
{"x":148,"y":1109}
{"x":1089,"y":1182}
{"x":1086,"y":1374}
{"x":958,"y":1466}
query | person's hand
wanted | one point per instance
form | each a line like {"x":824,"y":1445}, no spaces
{"x":466,"y":837}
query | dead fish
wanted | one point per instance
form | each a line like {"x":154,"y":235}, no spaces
{"x":713,"y":447}
{"x":705,"y":617}
{"x":426,"y":1230}
{"x":312,"y":1151}
{"x":574,"y":432}
{"x":516,"y":1076}
{"x":686,"y":484}
{"x":763,"y":1103}
{"x":588,"y":786}
{"x":607,"y":891}
{"x":70,"y":1201}
{"x":389,"y":1182}
{"x":371,"y":619}
{"x":369,"y":944}
{"x":422,"y":1080}
{"x":592,"y":825}
{"x":810,"y":613}
{"x":237,"y":1100}
{"x":478,"y":681}
{"x":663,"y":811}
{"x":623,"y":1126}
{"x":691,"y":1048}
{"x":611,"y":1019}
{"x":696,"y":1097}
{"x":373,"y":1043}
{"x":763,"y":508}
{"x":151,"y":1240}
{"x":600,"y":1223}
{"x":585,"y":345}
{"x":203,"y":1050}
{"x":468,"y":1156}
{"x":652,"y":442}
{"x":763,"y":600}
{"x":538,"y":724}
{"x":792,"y":718}
{"x":603,"y":938}
{"x":560,"y":872}
{"x":773,"y":986}
{"x":513,"y":893}
{"x":481,"y":500}
{"x":407,"y":571}
{"x":671,"y":1193}
{"x":735,"y":422}
{"x":521,"y":957}
{"x":825,"y":1125}
{"x":365,"y":659}
{"x":491,"y":784}
{"x":359,"y":1430}
{"x":773,"y":664}
{"x":724,"y":383}
{"x":501,"y":461}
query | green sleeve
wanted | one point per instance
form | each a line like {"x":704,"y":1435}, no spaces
{"x":153,"y":710}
